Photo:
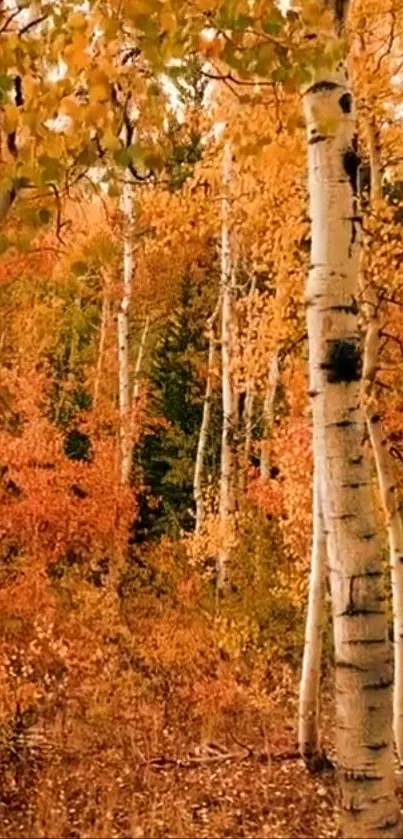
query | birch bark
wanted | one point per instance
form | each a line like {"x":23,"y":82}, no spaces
{"x":123,"y":334}
{"x":309,"y":695}
{"x":394,"y":527}
{"x":383,"y":461}
{"x":249,"y":393}
{"x":226,"y":505}
{"x":101,"y":348}
{"x":362,"y":650}
{"x":139,"y":360}
{"x":204,"y":430}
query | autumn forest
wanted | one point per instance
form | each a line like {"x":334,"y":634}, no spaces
{"x":201,"y":419}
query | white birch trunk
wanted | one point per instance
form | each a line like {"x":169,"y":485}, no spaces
{"x":384,"y":465}
{"x":394,"y":525}
{"x":362,"y":651}
{"x":226,"y":505}
{"x":139,"y":361}
{"x":268,"y":415}
{"x":249,"y":408}
{"x":202,"y":441}
{"x":123,"y":335}
{"x":233,"y":344}
{"x":101,"y":349}
{"x":250,"y":392}
{"x":204,"y":428}
{"x":309,"y":695}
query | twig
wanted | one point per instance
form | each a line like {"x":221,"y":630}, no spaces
{"x":163,"y":762}
{"x":31,"y":24}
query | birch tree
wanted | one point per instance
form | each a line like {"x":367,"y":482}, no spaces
{"x":309,"y":699}
{"x":123,"y":334}
{"x":362,"y":650}
{"x":204,"y":429}
{"x":102,"y":339}
{"x":226,"y":505}
{"x":250,"y":390}
{"x":383,"y":460}
{"x":139,"y":360}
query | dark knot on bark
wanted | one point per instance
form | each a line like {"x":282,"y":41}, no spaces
{"x":343,"y":362}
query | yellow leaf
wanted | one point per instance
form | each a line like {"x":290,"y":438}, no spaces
{"x":11,"y":115}
{"x":98,"y":93}
{"x":96,"y":113}
{"x":71,"y":108}
{"x":110,"y":140}
{"x":76,"y":54}
{"x":168,"y":21}
{"x":30,"y":87}
{"x":77,"y":21}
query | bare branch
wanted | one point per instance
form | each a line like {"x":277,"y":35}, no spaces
{"x":32,"y":24}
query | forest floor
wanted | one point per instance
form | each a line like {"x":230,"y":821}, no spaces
{"x":248,"y":782}
{"x":237,"y":798}
{"x":257,"y":788}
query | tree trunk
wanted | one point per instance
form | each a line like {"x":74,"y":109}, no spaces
{"x":362,"y":650}
{"x":139,"y":360}
{"x":204,"y":430}
{"x":384,"y":465}
{"x":268,"y":416}
{"x":394,"y":526}
{"x":101,"y":349}
{"x":123,"y":335}
{"x":226,"y":506}
{"x":249,"y":393}
{"x":309,"y":696}
{"x":248,"y":414}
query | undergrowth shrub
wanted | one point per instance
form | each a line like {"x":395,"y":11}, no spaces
{"x":113,"y":653}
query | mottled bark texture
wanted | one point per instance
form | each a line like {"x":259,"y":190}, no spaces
{"x":368,"y":806}
{"x":123,"y":334}
{"x":384,"y":465}
{"x":204,"y":431}
{"x":309,"y":696}
{"x":226,"y":508}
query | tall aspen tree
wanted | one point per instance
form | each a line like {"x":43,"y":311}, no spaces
{"x":226,"y":504}
{"x":383,"y":460}
{"x":123,"y":333}
{"x":362,"y":650}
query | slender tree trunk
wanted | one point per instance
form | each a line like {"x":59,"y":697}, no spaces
{"x":268,"y":415}
{"x":136,"y":390}
{"x":123,"y":335}
{"x":139,"y":360}
{"x":362,"y":650}
{"x":309,"y":696}
{"x":250,"y":392}
{"x":202,"y":442}
{"x":384,"y":465}
{"x":201,"y":446}
{"x":234,"y":339}
{"x":226,"y":506}
{"x":101,"y":348}
{"x":394,"y":527}
{"x":249,"y":408}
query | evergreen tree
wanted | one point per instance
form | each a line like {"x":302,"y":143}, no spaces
{"x":167,"y":456}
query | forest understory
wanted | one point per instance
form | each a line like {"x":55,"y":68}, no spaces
{"x":258,"y":795}
{"x":249,"y":782}
{"x":201,"y":419}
